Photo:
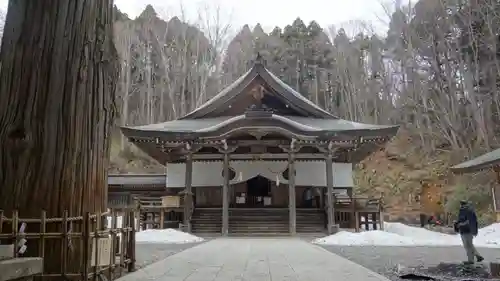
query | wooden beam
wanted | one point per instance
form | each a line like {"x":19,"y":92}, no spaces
{"x":263,"y":156}
{"x":312,"y":143}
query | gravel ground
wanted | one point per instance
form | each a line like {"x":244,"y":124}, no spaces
{"x":148,"y":253}
{"x":384,"y":260}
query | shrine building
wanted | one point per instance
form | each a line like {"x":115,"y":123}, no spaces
{"x":250,"y":159}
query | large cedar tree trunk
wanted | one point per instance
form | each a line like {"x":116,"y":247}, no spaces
{"x":57,"y":91}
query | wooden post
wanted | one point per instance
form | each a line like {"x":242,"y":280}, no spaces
{"x":64,"y":244}
{"x":356,"y":219}
{"x":137,"y":214}
{"x":188,"y":195}
{"x":225,"y":195}
{"x":329,"y":190}
{"x":226,"y":151}
{"x":353,"y":212}
{"x":381,"y":219}
{"x":292,"y":206}
{"x":131,"y":246}
{"x":14,"y":226}
{"x":95,"y":243}
{"x":494,"y":194}
{"x":494,"y":269}
{"x":87,"y":242}
{"x":162,"y":218}
{"x":291,"y":192}
{"x":43,"y":229}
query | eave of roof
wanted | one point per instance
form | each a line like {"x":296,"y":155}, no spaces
{"x":211,"y":127}
{"x":485,"y":161}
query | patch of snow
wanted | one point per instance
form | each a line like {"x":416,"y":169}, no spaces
{"x":398,"y":234}
{"x":372,"y":237}
{"x":169,"y":236}
{"x":488,"y":236}
{"x":415,"y":232}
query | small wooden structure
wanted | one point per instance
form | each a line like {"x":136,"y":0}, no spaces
{"x":105,"y":242}
{"x":488,"y":161}
{"x":259,"y":144}
{"x":160,"y":212}
{"x":360,"y":213}
{"x":148,"y":194}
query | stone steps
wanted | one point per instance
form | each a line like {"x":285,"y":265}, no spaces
{"x":258,"y":222}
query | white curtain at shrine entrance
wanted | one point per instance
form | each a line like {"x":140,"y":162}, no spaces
{"x":308,"y":173}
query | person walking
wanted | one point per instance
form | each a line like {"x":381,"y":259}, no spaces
{"x":467,"y":226}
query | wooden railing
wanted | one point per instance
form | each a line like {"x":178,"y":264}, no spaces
{"x":154,"y":215}
{"x":359,"y":213}
{"x":87,"y":247}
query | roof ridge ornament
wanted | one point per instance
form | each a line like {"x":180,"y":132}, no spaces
{"x":259,"y":60}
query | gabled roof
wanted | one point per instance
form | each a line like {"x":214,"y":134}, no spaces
{"x":482,"y":162}
{"x":293,"y":98}
{"x":307,"y":120}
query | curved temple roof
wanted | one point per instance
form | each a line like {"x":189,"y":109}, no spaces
{"x":310,"y":120}
{"x":482,"y":162}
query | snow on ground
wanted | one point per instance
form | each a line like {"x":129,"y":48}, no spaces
{"x":398,"y":234}
{"x":168,"y":235}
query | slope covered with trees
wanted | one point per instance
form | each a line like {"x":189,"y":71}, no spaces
{"x":435,"y":73}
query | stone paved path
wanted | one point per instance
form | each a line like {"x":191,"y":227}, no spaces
{"x":231,"y":259}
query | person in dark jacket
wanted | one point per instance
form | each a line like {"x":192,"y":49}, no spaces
{"x":467,"y":226}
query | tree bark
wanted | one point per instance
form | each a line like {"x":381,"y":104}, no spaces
{"x":58,"y":71}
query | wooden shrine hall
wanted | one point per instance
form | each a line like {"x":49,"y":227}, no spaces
{"x":260,"y":158}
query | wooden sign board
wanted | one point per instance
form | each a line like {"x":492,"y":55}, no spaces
{"x":171,"y":201}
{"x":6,"y":251}
{"x":104,"y":248}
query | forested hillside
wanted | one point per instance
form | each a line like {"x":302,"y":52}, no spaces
{"x":435,"y":73}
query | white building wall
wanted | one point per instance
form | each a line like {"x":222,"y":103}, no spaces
{"x":308,"y":173}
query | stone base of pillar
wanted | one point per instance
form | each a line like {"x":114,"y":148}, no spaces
{"x":332,"y":229}
{"x":185,"y":227}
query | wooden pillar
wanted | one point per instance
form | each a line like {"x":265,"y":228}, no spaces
{"x":291,"y":193}
{"x":225,"y":196}
{"x":162,"y":218}
{"x":329,"y":191}
{"x":226,"y":151}
{"x":188,"y":194}
{"x":291,"y":150}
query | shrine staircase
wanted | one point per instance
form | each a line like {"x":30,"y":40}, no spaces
{"x":258,"y":222}
{"x":206,"y":221}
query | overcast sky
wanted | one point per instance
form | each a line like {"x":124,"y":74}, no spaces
{"x":269,"y":13}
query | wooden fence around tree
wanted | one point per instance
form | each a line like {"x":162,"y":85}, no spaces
{"x":87,"y":247}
